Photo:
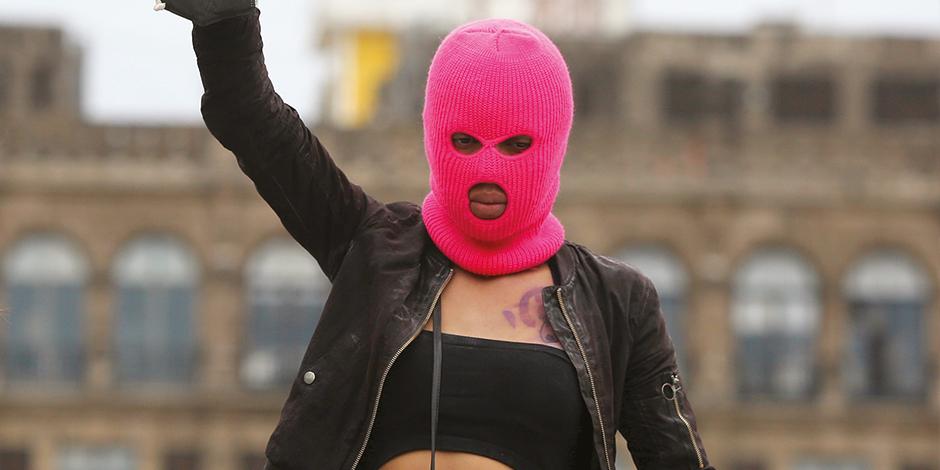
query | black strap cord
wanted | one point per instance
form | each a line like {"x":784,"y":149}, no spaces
{"x":436,"y":378}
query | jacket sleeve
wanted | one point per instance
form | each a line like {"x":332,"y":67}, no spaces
{"x":288,"y":165}
{"x":656,"y":418}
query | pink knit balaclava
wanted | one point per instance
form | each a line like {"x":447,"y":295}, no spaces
{"x":494,"y":79}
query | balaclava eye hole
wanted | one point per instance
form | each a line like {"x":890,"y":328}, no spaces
{"x":510,"y":146}
{"x":465,"y":144}
{"x":516,"y":145}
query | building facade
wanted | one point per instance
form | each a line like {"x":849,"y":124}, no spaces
{"x":368,"y":41}
{"x":781,"y":189}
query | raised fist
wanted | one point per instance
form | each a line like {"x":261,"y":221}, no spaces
{"x":206,"y":12}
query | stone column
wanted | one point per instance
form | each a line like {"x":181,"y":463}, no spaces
{"x":713,"y":338}
{"x":99,"y":333}
{"x":833,"y":328}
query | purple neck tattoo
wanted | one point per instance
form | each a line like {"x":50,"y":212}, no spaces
{"x":531,"y":312}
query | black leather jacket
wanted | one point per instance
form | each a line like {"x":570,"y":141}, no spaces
{"x":387,"y":275}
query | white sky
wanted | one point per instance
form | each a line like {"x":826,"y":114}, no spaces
{"x":133,"y":56}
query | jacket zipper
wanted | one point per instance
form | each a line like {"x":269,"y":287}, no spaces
{"x":378,"y":396}
{"x":587,"y":367}
{"x":675,"y":386}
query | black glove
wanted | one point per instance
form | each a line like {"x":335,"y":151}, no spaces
{"x":206,"y":12}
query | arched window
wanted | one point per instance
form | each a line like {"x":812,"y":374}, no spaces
{"x":285,"y":295}
{"x":775,"y":314}
{"x":155,"y":277}
{"x":671,"y":281}
{"x":887,"y":294}
{"x":45,"y":277}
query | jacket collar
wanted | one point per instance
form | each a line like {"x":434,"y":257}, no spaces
{"x":565,"y":265}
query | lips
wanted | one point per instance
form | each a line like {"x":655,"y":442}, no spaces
{"x":487,"y":200}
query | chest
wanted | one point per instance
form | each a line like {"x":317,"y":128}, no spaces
{"x":508,"y":308}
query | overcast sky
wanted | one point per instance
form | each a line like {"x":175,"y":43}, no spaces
{"x":139,"y":65}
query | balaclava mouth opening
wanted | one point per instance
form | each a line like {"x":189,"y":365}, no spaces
{"x":494,"y":79}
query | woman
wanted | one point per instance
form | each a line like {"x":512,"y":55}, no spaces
{"x":466,"y":332}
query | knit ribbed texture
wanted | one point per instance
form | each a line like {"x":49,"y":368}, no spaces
{"x":494,"y":79}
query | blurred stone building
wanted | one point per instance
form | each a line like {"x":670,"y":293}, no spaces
{"x":781,"y":189}
{"x":369,"y":41}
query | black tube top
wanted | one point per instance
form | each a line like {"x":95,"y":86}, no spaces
{"x":517,"y":403}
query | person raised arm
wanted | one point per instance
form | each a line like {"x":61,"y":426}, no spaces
{"x":290,"y":168}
